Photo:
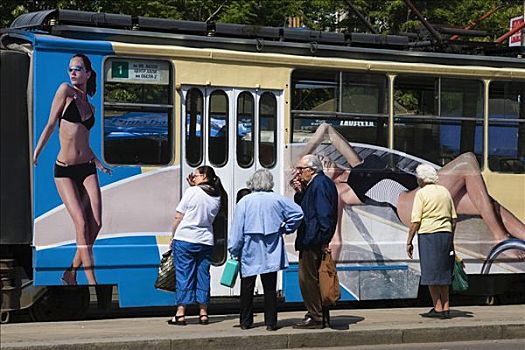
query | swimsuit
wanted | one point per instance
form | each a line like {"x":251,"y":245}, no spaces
{"x":374,"y":180}
{"x":76,"y":172}
{"x":72,"y":114}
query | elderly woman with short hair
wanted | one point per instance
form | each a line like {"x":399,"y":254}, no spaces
{"x":260,"y":219}
{"x":434,"y":219}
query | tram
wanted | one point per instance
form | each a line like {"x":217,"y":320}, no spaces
{"x":173,"y":95}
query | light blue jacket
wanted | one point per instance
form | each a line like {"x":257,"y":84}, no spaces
{"x":259,"y":221}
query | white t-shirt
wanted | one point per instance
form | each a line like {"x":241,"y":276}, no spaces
{"x":199,"y":211}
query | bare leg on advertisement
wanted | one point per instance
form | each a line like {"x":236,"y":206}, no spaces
{"x":346,"y":197}
{"x":462,"y":177}
{"x":71,"y":197}
{"x":93,"y":209}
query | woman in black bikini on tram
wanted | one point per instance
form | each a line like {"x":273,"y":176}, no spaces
{"x":76,"y":165}
{"x":372,"y":181}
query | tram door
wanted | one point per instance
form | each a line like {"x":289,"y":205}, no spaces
{"x":235,"y":132}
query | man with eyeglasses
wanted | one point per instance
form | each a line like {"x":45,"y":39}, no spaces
{"x":317,"y":195}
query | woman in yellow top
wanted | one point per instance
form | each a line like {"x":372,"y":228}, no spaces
{"x":434,"y":219}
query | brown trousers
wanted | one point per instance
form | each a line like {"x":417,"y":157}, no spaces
{"x":309,"y":262}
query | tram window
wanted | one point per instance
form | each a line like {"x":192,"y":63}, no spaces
{"x":355,"y":103}
{"x":455,"y":125}
{"x":415,"y":95}
{"x":245,"y":118}
{"x":364,"y":93}
{"x":506,"y":142}
{"x":194,"y":108}
{"x":315,"y":90}
{"x":267,"y":130}
{"x":138,"y":112}
{"x":218,"y":128}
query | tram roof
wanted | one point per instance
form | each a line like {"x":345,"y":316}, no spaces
{"x":83,"y":25}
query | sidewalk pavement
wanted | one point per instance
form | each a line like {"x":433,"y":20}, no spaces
{"x":349,"y":327}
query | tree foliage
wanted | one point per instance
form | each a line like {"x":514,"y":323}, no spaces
{"x":387,"y":16}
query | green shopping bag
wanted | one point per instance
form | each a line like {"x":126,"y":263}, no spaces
{"x":229,"y":275}
{"x":459,"y":277}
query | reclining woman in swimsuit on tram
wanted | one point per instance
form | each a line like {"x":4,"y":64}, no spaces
{"x":371,"y":181}
{"x":75,"y":167}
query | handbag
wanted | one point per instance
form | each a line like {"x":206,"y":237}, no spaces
{"x":328,"y":280}
{"x":459,"y":277}
{"x":166,"y":275}
{"x":230,"y":272}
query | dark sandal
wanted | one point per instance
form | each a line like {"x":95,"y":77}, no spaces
{"x":432,"y":314}
{"x":178,"y":321}
{"x":204,"y":319}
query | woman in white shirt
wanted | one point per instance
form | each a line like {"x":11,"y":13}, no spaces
{"x":192,"y":241}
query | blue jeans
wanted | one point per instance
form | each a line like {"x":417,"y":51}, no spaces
{"x":192,"y":272}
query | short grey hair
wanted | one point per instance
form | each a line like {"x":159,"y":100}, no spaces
{"x":426,"y":174}
{"x":261,"y":180}
{"x":313,"y":162}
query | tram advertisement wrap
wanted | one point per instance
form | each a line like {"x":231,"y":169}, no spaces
{"x":120,"y":240}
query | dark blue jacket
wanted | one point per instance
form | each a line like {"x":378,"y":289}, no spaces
{"x":319,"y":203}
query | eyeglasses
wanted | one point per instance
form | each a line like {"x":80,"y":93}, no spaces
{"x":301,"y":168}
{"x":195,"y":175}
{"x":76,"y":69}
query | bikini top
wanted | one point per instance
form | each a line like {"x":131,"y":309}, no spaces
{"x":72,"y":114}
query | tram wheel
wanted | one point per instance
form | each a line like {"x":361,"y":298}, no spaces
{"x":61,"y":304}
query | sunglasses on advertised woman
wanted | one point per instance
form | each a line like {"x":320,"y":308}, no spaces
{"x":76,"y":69}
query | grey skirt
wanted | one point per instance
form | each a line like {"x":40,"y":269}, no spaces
{"x":435,"y":258}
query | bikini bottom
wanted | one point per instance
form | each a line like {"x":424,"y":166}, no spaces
{"x":76,"y":172}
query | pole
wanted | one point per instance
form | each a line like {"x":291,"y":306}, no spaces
{"x":362,"y":18}
{"x":422,"y":19}
{"x":474,"y":24}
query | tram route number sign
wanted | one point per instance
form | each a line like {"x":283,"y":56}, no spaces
{"x":138,"y":71}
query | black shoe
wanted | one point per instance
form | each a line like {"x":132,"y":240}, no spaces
{"x":432,"y":314}
{"x":204,"y":319}
{"x":445,"y":314}
{"x":178,"y":321}
{"x":326,"y":318}
{"x":245,"y":327}
{"x":308,"y":323}
{"x":271,"y":328}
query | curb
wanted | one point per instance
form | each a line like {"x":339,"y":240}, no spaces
{"x":323,"y":339}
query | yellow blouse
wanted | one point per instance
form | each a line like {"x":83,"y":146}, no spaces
{"x":434,"y":209}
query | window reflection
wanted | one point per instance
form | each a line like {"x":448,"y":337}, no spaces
{"x":438,"y":118}
{"x":194,"y":108}
{"x":245,"y":117}
{"x":267,"y":130}
{"x":218,"y":128}
{"x":506,"y":141}
{"x":138,"y":119}
{"x":356,"y":104}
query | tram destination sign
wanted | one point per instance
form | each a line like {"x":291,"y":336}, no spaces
{"x":137,"y":71}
